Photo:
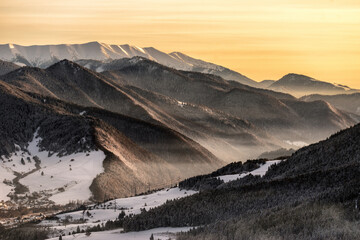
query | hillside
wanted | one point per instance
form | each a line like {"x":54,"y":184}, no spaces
{"x":346,"y":102}
{"x":300,"y":85}
{"x":232,"y":120}
{"x":45,"y":138}
{"x":265,"y":108}
{"x":310,"y":183}
{"x":6,"y":67}
{"x":70,"y":82}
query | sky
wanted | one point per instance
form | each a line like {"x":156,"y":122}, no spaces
{"x":262,"y":39}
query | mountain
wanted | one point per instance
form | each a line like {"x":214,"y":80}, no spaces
{"x":264,"y":108}
{"x":6,"y":67}
{"x":70,"y":82}
{"x":317,"y":184}
{"x":346,"y":102}
{"x":45,"y":55}
{"x":265,"y":83}
{"x":206,"y":67}
{"x":300,"y":85}
{"x":232,"y":120}
{"x":77,"y":153}
{"x":136,"y":120}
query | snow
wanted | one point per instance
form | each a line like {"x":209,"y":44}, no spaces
{"x":101,"y":213}
{"x":99,"y":69}
{"x":43,"y":55}
{"x":110,"y":210}
{"x":181,"y":104}
{"x":140,"y":49}
{"x":5,"y":174}
{"x":11,"y":164}
{"x":159,"y":233}
{"x":257,"y":172}
{"x":74,"y":173}
{"x":65,"y":179}
{"x":296,"y":143}
{"x":131,"y":205}
{"x":82,"y":113}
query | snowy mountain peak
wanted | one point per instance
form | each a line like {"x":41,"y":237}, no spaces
{"x":44,"y":56}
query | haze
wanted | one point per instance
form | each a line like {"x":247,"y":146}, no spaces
{"x":262,"y":39}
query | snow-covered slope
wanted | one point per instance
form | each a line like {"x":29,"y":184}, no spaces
{"x":257,"y":172}
{"x":101,"y":213}
{"x":132,"y":205}
{"x":158,"y":234}
{"x":59,"y":179}
{"x":46,"y":55}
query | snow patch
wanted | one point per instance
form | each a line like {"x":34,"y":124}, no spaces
{"x":296,"y":143}
{"x":261,"y":171}
{"x":99,"y":69}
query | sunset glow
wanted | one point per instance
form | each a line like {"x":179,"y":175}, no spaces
{"x":261,"y":39}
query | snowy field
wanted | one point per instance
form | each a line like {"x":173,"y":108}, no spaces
{"x":257,"y":172}
{"x":6,"y":174}
{"x":158,"y":233}
{"x":98,"y":214}
{"x":64,"y":179}
{"x":131,"y":205}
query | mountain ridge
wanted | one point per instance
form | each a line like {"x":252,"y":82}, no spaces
{"x":300,"y":85}
{"x":45,"y":55}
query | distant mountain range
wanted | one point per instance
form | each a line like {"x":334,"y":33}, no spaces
{"x":45,"y":55}
{"x":100,"y":57}
{"x":206,"y":108}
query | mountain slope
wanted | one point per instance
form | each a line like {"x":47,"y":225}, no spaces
{"x":314,"y":182}
{"x":270,"y":110}
{"x":346,"y":102}
{"x":70,"y":82}
{"x":69,"y":136}
{"x":241,"y":121}
{"x":300,"y":85}
{"x":340,"y":150}
{"x":206,"y":67}
{"x":6,"y":67}
{"x":45,"y":55}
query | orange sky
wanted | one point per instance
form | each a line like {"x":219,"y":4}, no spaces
{"x":263,"y":39}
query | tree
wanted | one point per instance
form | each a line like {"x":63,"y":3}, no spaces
{"x":60,"y":237}
{"x":78,"y":229}
{"x":121,"y":215}
{"x":152,"y":237}
{"x":42,"y":173}
{"x":22,"y":161}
